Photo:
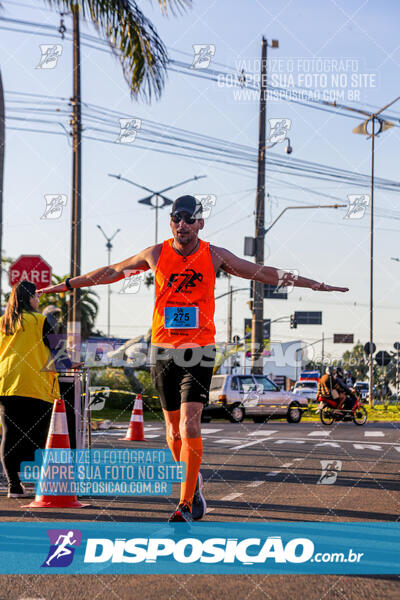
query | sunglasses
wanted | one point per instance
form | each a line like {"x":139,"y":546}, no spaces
{"x":178,"y":218}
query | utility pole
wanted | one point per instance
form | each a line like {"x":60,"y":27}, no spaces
{"x":322,"y":353}
{"x":229,"y":332}
{"x":2,"y":150}
{"x":257,"y":326}
{"x":109,"y":248}
{"x":74,"y":308}
{"x":371,"y":269}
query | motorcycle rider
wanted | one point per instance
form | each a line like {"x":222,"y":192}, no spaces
{"x":329,"y":390}
{"x":346,"y":395}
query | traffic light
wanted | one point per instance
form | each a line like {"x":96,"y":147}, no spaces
{"x":293,"y":322}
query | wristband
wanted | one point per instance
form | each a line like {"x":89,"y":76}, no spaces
{"x":68,"y":285}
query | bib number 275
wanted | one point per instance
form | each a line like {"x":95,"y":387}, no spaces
{"x":181,"y":317}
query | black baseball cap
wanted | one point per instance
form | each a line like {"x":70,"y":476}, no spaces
{"x":188,"y":204}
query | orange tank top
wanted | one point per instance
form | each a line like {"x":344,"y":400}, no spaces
{"x":184,"y":308}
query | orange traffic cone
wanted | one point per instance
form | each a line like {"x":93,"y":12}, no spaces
{"x":135,"y":431}
{"x":57,"y":438}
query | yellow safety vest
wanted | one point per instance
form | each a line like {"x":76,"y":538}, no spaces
{"x":23,"y":356}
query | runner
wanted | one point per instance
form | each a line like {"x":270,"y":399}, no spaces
{"x":62,"y":542}
{"x":183,"y":333}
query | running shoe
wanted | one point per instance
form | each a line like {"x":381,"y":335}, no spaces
{"x":16,"y":491}
{"x":181,"y":514}
{"x":199,"y":505}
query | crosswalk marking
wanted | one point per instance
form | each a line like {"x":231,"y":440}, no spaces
{"x":374,"y":434}
{"x":289,"y":442}
{"x":267,"y":432}
{"x":287,"y":465}
{"x":367,"y":447}
{"x":105,"y":432}
{"x":226,"y":441}
{"x":259,"y":441}
{"x":153,"y":435}
{"x":273,"y":473}
{"x":330,"y":444}
{"x":205,"y":431}
{"x":232,"y":496}
{"x":319,"y":434}
{"x":255,"y":483}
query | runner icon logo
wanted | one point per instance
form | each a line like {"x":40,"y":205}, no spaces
{"x":189,"y":278}
{"x":60,"y":552}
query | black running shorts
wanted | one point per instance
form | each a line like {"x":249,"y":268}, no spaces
{"x":182,"y":375}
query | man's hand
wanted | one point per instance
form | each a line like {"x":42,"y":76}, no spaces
{"x":324,"y":287}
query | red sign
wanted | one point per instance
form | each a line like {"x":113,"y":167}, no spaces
{"x":30,"y":267}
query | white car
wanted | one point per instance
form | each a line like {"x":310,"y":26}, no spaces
{"x":255,"y":396}
{"x":307,"y":388}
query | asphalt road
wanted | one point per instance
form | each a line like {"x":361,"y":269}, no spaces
{"x":270,"y":472}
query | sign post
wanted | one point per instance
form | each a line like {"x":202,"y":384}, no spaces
{"x":31,"y":267}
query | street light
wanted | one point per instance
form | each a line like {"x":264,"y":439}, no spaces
{"x":303,"y":207}
{"x":156,"y":195}
{"x":374,"y":119}
{"x":109,"y":248}
{"x":251,"y":248}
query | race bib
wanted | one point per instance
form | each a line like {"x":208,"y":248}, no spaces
{"x":181,"y":317}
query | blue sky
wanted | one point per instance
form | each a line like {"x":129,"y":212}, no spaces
{"x":319,"y":244}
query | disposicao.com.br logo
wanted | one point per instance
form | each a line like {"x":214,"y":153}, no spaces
{"x":212,"y":550}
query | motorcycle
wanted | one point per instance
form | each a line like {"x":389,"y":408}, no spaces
{"x":329,"y":414}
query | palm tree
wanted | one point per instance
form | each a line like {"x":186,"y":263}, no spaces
{"x":133,"y":40}
{"x":89,"y":307}
{"x":131,"y":36}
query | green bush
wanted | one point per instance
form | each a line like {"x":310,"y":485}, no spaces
{"x":115,"y":379}
{"x":149,"y":392}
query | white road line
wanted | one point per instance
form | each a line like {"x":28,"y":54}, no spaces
{"x":397,"y":448}
{"x":255,"y":483}
{"x":151,"y":427}
{"x":249,"y":444}
{"x":368,"y":447}
{"x":351,"y":441}
{"x":153,"y":435}
{"x":319,"y":433}
{"x":106,"y":432}
{"x":297,"y":459}
{"x":226,"y":441}
{"x":231,"y":496}
{"x":289,"y":441}
{"x":273,"y":473}
{"x":205,"y":431}
{"x":209,"y":510}
{"x":267,"y":432}
{"x":286,"y":465}
{"x":331,"y":444}
{"x":374,"y":434}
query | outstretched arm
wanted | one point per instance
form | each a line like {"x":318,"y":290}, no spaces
{"x":243,"y":268}
{"x":103,"y":275}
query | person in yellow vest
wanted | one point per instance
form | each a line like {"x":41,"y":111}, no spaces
{"x":28,"y":383}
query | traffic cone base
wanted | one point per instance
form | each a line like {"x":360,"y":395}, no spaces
{"x":57,"y":438}
{"x":135,"y":431}
{"x":62,"y":502}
